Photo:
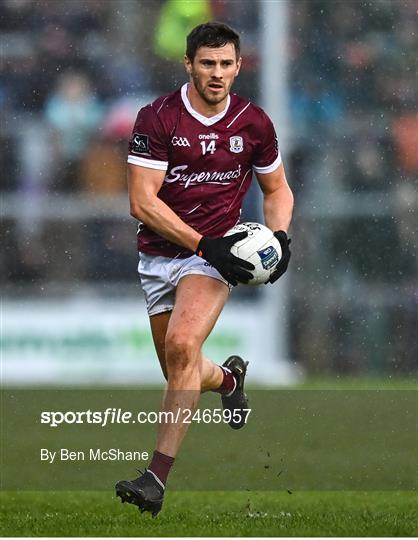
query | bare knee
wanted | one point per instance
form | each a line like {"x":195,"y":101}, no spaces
{"x":182,"y":352}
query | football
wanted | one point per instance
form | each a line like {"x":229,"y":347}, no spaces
{"x":260,"y":247}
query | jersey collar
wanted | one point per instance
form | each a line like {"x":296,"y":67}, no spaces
{"x":199,"y":117}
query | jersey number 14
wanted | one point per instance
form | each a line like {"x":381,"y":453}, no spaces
{"x":209,"y":148}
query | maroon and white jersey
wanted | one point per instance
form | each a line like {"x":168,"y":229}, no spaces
{"x":209,"y":162}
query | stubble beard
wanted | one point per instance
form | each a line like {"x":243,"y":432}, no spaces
{"x":210,"y":100}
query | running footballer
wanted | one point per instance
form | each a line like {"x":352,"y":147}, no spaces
{"x":191,"y":160}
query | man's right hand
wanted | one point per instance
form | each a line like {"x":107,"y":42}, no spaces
{"x":217,"y":251}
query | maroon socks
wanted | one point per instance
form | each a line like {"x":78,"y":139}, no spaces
{"x":160,"y":467}
{"x":228,"y":384}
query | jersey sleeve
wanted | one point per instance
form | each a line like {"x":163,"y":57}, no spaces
{"x":267,"y":158}
{"x":148,"y":144}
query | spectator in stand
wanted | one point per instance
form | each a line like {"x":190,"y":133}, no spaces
{"x":73,"y":113}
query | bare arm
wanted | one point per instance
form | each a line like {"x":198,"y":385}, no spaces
{"x":278,"y":199}
{"x":144,"y":185}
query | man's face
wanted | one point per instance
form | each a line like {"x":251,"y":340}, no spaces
{"x":213,"y":72}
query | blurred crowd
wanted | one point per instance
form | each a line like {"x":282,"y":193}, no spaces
{"x":354,"y":67}
{"x":354,"y":105}
{"x":73,"y":74}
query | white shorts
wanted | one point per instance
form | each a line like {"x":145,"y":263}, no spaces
{"x":161,"y":275}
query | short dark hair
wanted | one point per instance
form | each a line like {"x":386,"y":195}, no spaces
{"x":211,"y":34}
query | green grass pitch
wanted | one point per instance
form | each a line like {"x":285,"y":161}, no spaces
{"x":337,"y":464}
{"x":212,"y":514}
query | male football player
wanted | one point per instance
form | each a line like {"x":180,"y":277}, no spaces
{"x":191,"y":159}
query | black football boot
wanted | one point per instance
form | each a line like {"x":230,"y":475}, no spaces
{"x":145,"y":492}
{"x":237,"y":401}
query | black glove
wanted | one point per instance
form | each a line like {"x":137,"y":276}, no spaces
{"x":217,"y":251}
{"x":284,"y":261}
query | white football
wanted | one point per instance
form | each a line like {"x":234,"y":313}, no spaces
{"x":260,"y":247}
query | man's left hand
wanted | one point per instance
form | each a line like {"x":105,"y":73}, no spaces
{"x":284,"y":261}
